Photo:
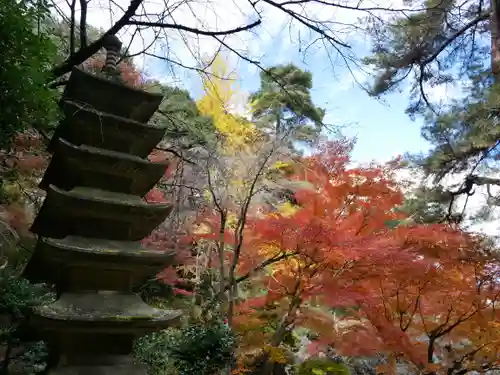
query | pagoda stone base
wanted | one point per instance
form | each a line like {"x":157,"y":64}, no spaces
{"x":113,"y":365}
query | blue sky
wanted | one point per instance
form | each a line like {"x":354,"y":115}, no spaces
{"x":382,"y":128}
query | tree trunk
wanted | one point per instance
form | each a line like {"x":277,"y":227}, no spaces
{"x":278,"y":124}
{"x":281,"y":330}
{"x":4,"y":369}
{"x":495,"y":37}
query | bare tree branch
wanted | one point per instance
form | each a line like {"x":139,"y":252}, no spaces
{"x":85,"y":52}
{"x":83,"y":23}
{"x":306,"y":23}
{"x":72,"y":28}
{"x":194,"y":30}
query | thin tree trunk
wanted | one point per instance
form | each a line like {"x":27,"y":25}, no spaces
{"x":4,"y":369}
{"x":278,"y":124}
{"x":281,"y":330}
{"x":495,"y":37}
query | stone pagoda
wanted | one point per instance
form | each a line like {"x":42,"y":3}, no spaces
{"x":91,"y":222}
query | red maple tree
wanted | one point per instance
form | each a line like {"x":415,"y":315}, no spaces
{"x":327,"y":254}
{"x":448,"y":311}
{"x":346,"y":264}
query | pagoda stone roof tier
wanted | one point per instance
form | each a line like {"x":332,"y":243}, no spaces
{"x":83,"y":125}
{"x":98,"y":168}
{"x":96,"y":213}
{"x":117,"y":368}
{"x":104,"y":311}
{"x":111,"y":97}
{"x":70,"y":258}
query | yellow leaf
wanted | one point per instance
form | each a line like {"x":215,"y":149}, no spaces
{"x":220,"y":100}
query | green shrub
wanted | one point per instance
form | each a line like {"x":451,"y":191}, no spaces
{"x":17,"y":298}
{"x":198,"y":349}
{"x":25,"y":63}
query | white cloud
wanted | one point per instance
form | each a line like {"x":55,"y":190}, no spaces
{"x":445,"y":93}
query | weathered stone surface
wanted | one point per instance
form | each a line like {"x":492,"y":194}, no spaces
{"x":90,"y":327}
{"x":106,"y":96}
{"x":101,"y":248}
{"x":97,"y":213}
{"x":100,"y":370}
{"x":115,"y":265}
{"x":110,"y":307}
{"x":89,"y":224}
{"x":98,"y":168}
{"x":83,"y":125}
{"x":122,"y":365}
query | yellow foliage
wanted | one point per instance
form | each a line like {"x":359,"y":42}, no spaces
{"x":287,"y":209}
{"x":268,"y":249}
{"x":277,"y":355}
{"x":202,"y":228}
{"x":220,"y":95}
{"x":232,"y":220}
{"x":240,"y":370}
{"x":207,"y":195}
{"x":322,"y":367}
{"x":247,"y":324}
{"x":283,"y":166}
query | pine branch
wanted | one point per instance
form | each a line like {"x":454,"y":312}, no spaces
{"x":486,"y":181}
{"x":482,"y":17}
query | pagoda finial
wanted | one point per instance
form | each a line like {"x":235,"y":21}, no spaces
{"x":113,"y":47}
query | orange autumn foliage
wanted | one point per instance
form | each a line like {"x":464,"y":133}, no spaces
{"x":330,"y":253}
{"x":450,"y":313}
